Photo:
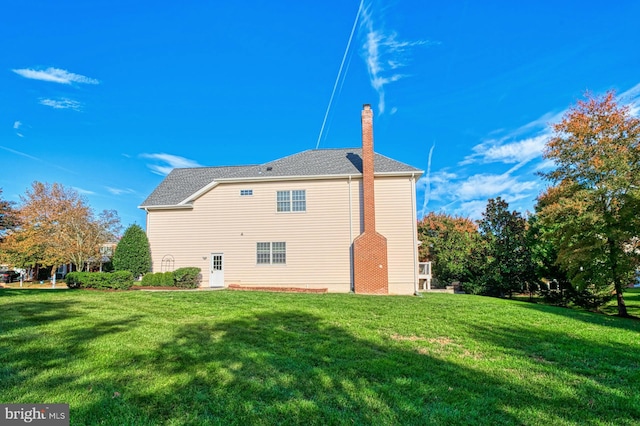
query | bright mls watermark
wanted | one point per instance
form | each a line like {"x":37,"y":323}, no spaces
{"x":34,"y":414}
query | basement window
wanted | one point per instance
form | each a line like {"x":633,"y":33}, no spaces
{"x":291,"y":201}
{"x":246,"y":192}
{"x":271,"y":253}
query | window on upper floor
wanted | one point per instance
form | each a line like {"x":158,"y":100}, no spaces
{"x":246,"y":192}
{"x":291,"y":201}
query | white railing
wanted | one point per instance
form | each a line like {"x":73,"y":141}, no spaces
{"x":424,"y":275}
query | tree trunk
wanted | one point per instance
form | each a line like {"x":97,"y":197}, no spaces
{"x":622,"y":307}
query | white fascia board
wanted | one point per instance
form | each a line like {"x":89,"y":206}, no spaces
{"x":197,"y":194}
{"x":314,"y":177}
{"x":167,"y":207}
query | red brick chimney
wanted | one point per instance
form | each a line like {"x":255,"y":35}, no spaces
{"x":370,"y":267}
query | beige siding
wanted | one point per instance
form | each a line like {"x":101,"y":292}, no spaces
{"x":318,"y":240}
{"x":223,"y":221}
{"x":395,"y":219}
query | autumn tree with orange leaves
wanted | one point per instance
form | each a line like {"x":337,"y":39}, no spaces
{"x":57,"y":227}
{"x":593,"y":206}
{"x":448,"y":242}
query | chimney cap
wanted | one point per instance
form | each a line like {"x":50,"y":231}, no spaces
{"x":366,"y":106}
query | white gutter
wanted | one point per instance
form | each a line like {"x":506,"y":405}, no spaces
{"x":415,"y":234}
{"x":167,"y":207}
{"x":265,"y":177}
{"x":351,"y":287}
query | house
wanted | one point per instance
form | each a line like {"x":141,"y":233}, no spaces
{"x":339,"y":219}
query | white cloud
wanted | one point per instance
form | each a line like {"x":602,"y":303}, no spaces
{"x":509,"y":149}
{"x":442,"y":185}
{"x":631,"y":97}
{"x":513,"y":152}
{"x":546,"y":165}
{"x":466,"y":192}
{"x":31,"y":157}
{"x":23,"y":154}
{"x":467,"y":195}
{"x":440,"y":177}
{"x":55,"y":75}
{"x":491,"y":185}
{"x":120,"y":191}
{"x":172,"y":162}
{"x":17,"y":124}
{"x":522,"y":144}
{"x":384,"y":54}
{"x":471,"y":209}
{"x":63,"y":103}
{"x":83,"y":191}
{"x":20,"y":134}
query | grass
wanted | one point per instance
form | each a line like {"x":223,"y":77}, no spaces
{"x":198,"y":358}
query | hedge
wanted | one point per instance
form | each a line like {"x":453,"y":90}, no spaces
{"x":120,"y":280}
{"x":183,"y":278}
{"x":189,"y":277}
{"x":158,"y":279}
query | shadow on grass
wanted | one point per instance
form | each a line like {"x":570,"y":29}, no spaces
{"x":294,"y":368}
{"x":608,"y":318}
{"x":603,"y":376}
{"x":291,"y":367}
{"x":36,"y":348}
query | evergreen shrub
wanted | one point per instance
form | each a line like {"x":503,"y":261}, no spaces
{"x":120,"y":280}
{"x":188,"y":277}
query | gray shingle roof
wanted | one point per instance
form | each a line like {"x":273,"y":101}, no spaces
{"x":180,"y":184}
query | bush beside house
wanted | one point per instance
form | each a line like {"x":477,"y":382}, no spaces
{"x":119,"y":280}
{"x":189,"y":277}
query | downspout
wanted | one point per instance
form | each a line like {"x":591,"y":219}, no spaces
{"x":351,"y":288}
{"x":414,"y":215}
{"x":146,"y":231}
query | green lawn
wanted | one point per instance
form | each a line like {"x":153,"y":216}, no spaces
{"x":223,"y":357}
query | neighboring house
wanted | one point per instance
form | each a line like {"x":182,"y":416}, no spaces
{"x":310,"y":220}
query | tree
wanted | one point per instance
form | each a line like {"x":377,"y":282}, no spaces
{"x":57,"y":226}
{"x":595,"y":196}
{"x":555,"y":285}
{"x":132,"y":252}
{"x":448,"y":242}
{"x":8,"y":218}
{"x":83,"y":235}
{"x":43,"y":213}
{"x":507,"y":266}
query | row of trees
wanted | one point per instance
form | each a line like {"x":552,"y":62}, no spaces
{"x":584,"y":235}
{"x":491,"y":256}
{"x":52,"y":226}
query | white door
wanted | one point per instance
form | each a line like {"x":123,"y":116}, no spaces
{"x":216,"y":274}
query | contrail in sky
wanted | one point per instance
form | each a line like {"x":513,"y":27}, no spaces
{"x":344,"y":57}
{"x":427,"y":190}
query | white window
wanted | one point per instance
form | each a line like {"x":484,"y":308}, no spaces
{"x":279,"y":252}
{"x":246,"y":192}
{"x":291,"y":201}
{"x":299,"y":201}
{"x":271,"y":253}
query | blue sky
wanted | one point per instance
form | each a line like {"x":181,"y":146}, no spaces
{"x":108,"y":96}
